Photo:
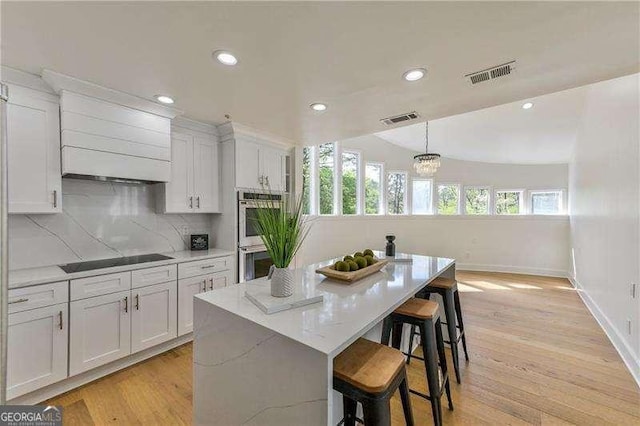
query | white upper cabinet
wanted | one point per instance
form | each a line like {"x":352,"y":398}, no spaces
{"x":259,"y":166}
{"x":33,"y":133}
{"x":195,"y":173}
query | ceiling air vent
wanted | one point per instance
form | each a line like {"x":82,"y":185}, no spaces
{"x":400,"y":118}
{"x":498,"y":71}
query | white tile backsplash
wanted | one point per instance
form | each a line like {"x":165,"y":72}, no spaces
{"x":99,"y":220}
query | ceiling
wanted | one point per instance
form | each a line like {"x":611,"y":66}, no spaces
{"x":506,"y":133}
{"x":350,"y":55}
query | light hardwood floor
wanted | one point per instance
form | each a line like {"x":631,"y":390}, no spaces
{"x":537,"y":357}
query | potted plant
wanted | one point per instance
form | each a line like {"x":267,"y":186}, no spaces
{"x":283,"y":228}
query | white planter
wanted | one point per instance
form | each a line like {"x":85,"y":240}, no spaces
{"x":281,"y":281}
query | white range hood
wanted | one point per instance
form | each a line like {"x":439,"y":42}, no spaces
{"x":111,"y":135}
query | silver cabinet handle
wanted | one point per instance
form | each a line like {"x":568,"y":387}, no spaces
{"x":137,"y":302}
{"x":55,"y":198}
{"x":190,"y":202}
{"x":261,"y":180}
{"x":24,"y":299}
{"x":198,"y":202}
{"x":204,"y":285}
{"x":60,"y":316}
{"x":208,"y":267}
{"x":126,"y":304}
{"x":267,"y":177}
{"x":211,"y":280}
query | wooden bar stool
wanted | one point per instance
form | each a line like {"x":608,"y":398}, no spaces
{"x":423,"y":314}
{"x":447,"y":288}
{"x":369,"y":373}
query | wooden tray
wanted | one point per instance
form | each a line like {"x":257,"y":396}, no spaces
{"x":352,"y":276}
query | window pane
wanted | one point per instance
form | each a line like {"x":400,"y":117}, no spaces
{"x":396,"y":193}
{"x":508,"y":202}
{"x":421,"y":196}
{"x":448,"y":199}
{"x":306,"y":179}
{"x":476,"y":200}
{"x":326,"y":167}
{"x":350,"y":178}
{"x":546,"y":202}
{"x":373,"y":189}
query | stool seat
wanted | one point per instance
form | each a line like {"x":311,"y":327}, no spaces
{"x":442,"y":282}
{"x":418,"y":308}
{"x":369,"y":366}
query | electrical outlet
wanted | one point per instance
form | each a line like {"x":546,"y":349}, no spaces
{"x":184,"y":230}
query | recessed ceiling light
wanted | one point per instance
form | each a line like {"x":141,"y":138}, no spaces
{"x":225,"y":57}
{"x":317,"y":106}
{"x":527,"y":105}
{"x":414,"y":74}
{"x":164,"y":99}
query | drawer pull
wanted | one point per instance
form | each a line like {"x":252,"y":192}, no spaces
{"x":211,"y":280}
{"x":126,"y":304}
{"x":137,"y":302}
{"x":198,"y":201}
{"x":208,"y":266}
{"x":60,"y":316}
{"x":24,"y":299}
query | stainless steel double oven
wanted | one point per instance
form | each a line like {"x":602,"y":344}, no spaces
{"x":253,"y":259}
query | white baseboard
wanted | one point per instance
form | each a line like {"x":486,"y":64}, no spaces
{"x":73,"y":382}
{"x":631,"y":360}
{"x":511,"y":269}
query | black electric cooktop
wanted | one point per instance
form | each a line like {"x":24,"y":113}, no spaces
{"x":110,"y":263}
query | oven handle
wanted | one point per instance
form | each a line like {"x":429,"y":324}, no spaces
{"x":253,"y":249}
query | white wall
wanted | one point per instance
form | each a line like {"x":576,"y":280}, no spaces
{"x":604,"y":208}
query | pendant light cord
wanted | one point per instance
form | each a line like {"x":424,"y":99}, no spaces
{"x":426,"y":137}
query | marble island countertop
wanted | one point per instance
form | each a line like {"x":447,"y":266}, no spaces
{"x":48,"y":274}
{"x":348,"y":310}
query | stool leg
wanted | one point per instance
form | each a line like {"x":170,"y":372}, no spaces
{"x":349,"y":411}
{"x":396,"y":337}
{"x":377,"y":412}
{"x":411,"y":336}
{"x":386,"y":331}
{"x":406,"y":400}
{"x":443,"y":361}
{"x":450,"y":313}
{"x":456,"y":299}
{"x":431,"y":366}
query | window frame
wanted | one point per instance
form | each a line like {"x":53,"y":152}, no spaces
{"x":522,"y":205}
{"x":313,"y":178}
{"x":382,"y":211}
{"x":430,"y":206}
{"x":463,"y":200}
{"x":337,"y":187}
{"x":532,"y":192}
{"x":407,"y":205}
{"x":359,"y":180}
{"x":437,"y":198}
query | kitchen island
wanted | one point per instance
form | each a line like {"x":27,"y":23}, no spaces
{"x":258,"y":369}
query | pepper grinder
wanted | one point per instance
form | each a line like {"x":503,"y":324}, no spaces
{"x":390,"y":250}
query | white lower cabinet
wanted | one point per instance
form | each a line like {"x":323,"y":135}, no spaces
{"x":37,"y":349}
{"x":189,"y":287}
{"x":153,"y":315}
{"x":100,"y":331}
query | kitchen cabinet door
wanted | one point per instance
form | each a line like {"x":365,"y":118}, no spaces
{"x":187,"y":288}
{"x":99,"y":331}
{"x":33,"y":134}
{"x":273,"y":168}
{"x":206,"y":176}
{"x":248,"y":165}
{"x":37,"y":349}
{"x":178,"y":193}
{"x":153,"y":315}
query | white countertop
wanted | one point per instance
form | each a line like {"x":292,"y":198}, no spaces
{"x":348,"y":310}
{"x":48,"y":274}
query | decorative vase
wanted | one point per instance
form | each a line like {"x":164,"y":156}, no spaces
{"x":281,"y":281}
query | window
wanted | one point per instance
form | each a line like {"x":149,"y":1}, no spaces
{"x":476,"y":200}
{"x":421,"y":196}
{"x":326,"y":169}
{"x":448,"y":199}
{"x":546,"y":202}
{"x":373,"y":189}
{"x":509,"y":202}
{"x":397,"y":192}
{"x":350,"y":182}
{"x":307,"y":186}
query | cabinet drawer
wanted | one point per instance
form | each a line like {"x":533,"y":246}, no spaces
{"x":24,"y":299}
{"x":102,"y":284}
{"x":150,"y":276}
{"x":202,"y":267}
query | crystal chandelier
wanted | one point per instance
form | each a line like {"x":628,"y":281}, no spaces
{"x":428,"y":163}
